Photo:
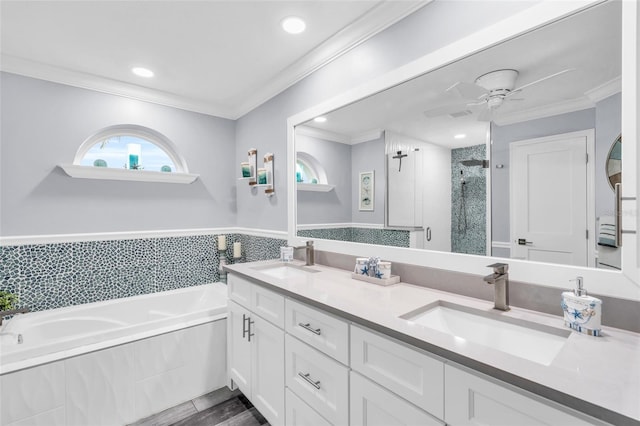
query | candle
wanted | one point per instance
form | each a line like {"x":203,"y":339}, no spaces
{"x":222,"y":242}
{"x":134,"y":150}
{"x":237,"y":250}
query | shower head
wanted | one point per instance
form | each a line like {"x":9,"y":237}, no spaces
{"x":462,"y":179}
{"x":474,"y":162}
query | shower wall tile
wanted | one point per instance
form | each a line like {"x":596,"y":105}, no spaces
{"x":48,"y":276}
{"x":468,"y":205}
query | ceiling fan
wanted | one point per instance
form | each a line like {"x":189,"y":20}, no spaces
{"x":487,"y":93}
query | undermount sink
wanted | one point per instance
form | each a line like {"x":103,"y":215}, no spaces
{"x":524,"y":339}
{"x":285,"y":270}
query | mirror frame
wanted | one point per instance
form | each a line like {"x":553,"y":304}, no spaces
{"x":622,"y":284}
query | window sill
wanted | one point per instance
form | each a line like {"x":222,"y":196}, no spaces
{"x":90,"y":172}
{"x":316,"y":187}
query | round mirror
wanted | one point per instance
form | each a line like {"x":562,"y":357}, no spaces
{"x":614,"y":162}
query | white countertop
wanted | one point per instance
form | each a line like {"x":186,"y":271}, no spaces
{"x":597,"y":375}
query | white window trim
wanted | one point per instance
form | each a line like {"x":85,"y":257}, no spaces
{"x":151,"y":135}
{"x":181,"y":174}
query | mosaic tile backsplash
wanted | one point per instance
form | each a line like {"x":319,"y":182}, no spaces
{"x":47,"y":276}
{"x":384,"y":237}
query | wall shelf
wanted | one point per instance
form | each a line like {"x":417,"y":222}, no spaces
{"x":104,"y":173}
{"x":315,"y":187}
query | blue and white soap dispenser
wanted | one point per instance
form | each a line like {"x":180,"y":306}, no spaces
{"x":582,"y":313}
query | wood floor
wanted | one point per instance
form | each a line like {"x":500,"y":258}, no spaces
{"x":218,"y":408}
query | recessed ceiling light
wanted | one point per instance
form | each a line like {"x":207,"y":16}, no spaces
{"x":320,"y":119}
{"x":460,"y":136}
{"x":142,"y":72}
{"x":293,"y":25}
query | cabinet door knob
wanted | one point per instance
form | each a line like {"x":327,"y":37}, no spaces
{"x":307,"y":326}
{"x":315,"y":384}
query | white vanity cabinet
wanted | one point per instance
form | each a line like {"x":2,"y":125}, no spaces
{"x":317,"y":357}
{"x":255,"y":346}
{"x":409,"y":373}
{"x":475,"y":399}
{"x":373,"y":405}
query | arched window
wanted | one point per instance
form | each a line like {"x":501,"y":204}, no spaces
{"x":132,"y":147}
{"x":309,"y":170}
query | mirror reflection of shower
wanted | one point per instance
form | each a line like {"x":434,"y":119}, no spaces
{"x":462,"y":210}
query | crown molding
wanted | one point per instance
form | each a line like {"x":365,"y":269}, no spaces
{"x":374,"y":21}
{"x":322,"y":134}
{"x":366,"y":136}
{"x":545,"y":111}
{"x":25,"y":67}
{"x":605,"y":90}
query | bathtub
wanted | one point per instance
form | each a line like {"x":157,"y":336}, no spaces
{"x":58,"y":333}
{"x":127,"y":358}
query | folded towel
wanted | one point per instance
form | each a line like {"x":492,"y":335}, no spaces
{"x":607,"y":231}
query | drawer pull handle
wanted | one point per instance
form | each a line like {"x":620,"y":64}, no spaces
{"x":244,"y":325}
{"x":309,"y":380}
{"x":307,"y":326}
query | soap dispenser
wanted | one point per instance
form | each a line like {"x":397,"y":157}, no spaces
{"x":582,"y":313}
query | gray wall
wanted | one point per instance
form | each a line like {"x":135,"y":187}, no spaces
{"x":434,"y":26}
{"x":333,"y":206}
{"x":605,"y":118}
{"x":365,"y":157}
{"x":44,"y":123}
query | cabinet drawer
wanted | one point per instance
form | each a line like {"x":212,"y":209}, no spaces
{"x":268,"y":304}
{"x":239,"y":290}
{"x":407,"y":372}
{"x":474,"y":400}
{"x":373,"y":405}
{"x":300,"y":414}
{"x":324,"y":332}
{"x":318,"y":380}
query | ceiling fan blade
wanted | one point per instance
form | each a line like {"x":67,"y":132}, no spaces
{"x":444,"y":109}
{"x":518,"y":89}
{"x":467,"y":90}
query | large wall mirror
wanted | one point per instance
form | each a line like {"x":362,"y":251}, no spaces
{"x":501,"y":153}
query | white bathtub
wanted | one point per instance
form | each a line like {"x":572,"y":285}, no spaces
{"x":113,"y":362}
{"x":60,"y":333}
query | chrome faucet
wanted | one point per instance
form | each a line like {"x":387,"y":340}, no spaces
{"x":500,"y":280}
{"x":309,"y":253}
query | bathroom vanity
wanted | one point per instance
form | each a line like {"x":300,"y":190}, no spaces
{"x":310,"y":345}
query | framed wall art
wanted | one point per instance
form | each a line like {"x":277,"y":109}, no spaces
{"x":365,"y":192}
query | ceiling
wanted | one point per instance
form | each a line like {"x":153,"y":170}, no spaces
{"x":222,"y":58}
{"x":589,"y":43}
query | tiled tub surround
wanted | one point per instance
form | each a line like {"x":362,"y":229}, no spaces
{"x":154,"y":360}
{"x":385,"y":237}
{"x":48,"y":276}
{"x":596,"y":376}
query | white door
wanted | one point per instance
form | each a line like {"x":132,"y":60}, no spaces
{"x":404,"y":189}
{"x":239,"y":347}
{"x":549,"y":199}
{"x":267,"y":344}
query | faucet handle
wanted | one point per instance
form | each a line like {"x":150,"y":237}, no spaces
{"x":499,"y":268}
